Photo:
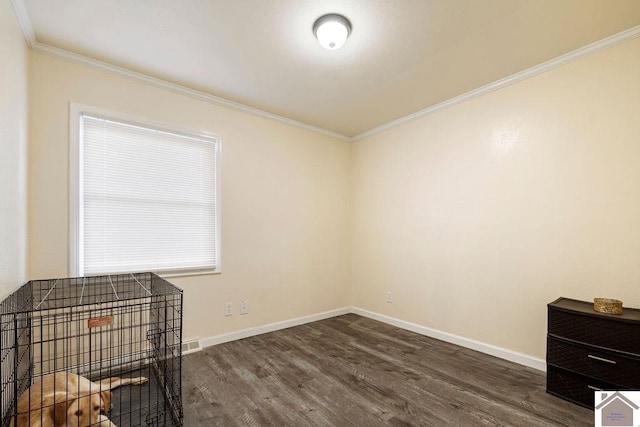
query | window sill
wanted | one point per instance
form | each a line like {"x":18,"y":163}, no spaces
{"x":187,"y":273}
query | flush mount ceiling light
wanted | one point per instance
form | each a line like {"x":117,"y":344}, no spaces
{"x":332,"y":30}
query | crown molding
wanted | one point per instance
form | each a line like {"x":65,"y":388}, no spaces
{"x":27,"y":29}
{"x":24,"y":21}
{"x":559,"y":61}
{"x":29,"y":34}
{"x":175,"y":88}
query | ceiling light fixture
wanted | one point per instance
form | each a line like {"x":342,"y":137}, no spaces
{"x":332,"y":30}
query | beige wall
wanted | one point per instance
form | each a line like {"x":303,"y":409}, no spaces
{"x":13,"y":150}
{"x":474,"y":217}
{"x":477,"y":216}
{"x":285,"y":199}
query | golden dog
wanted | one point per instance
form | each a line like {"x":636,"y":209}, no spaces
{"x":66,"y":399}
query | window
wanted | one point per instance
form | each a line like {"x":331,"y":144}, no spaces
{"x":145,"y":198}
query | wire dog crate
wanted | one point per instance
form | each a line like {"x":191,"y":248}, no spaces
{"x":127,"y":325}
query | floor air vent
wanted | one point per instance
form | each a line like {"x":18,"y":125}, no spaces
{"x":191,"y":346}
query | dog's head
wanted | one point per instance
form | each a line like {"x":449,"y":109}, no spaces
{"x":78,"y":410}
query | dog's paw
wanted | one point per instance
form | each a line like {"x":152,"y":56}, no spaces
{"x":103,"y":421}
{"x":139,"y":380}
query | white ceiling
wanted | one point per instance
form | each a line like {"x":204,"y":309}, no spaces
{"x":402,"y":56}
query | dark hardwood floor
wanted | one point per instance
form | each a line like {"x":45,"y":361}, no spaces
{"x":353,"y":371}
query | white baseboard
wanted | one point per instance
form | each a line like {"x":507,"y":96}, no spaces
{"x":272,"y":327}
{"x":489,"y":349}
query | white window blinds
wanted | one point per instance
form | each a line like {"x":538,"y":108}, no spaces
{"x":148,"y":199}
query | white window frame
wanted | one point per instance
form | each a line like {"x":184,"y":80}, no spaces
{"x":75,"y":184}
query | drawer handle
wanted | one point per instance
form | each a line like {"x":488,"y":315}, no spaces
{"x":602,"y":359}
{"x":594,"y":388}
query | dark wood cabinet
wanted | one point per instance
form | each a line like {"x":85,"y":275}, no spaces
{"x":589,"y":351}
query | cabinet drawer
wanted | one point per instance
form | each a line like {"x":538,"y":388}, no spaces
{"x":611,"y":367}
{"x":573,"y":387}
{"x":598,"y":331}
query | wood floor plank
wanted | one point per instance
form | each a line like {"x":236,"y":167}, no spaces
{"x":354,"y":371}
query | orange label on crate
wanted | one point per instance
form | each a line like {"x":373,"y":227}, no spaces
{"x":100,"y":321}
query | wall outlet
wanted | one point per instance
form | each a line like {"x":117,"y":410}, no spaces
{"x":389,"y":297}
{"x":244,"y":307}
{"x":228,"y":309}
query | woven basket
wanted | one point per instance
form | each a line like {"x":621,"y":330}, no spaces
{"x":607,"y":305}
